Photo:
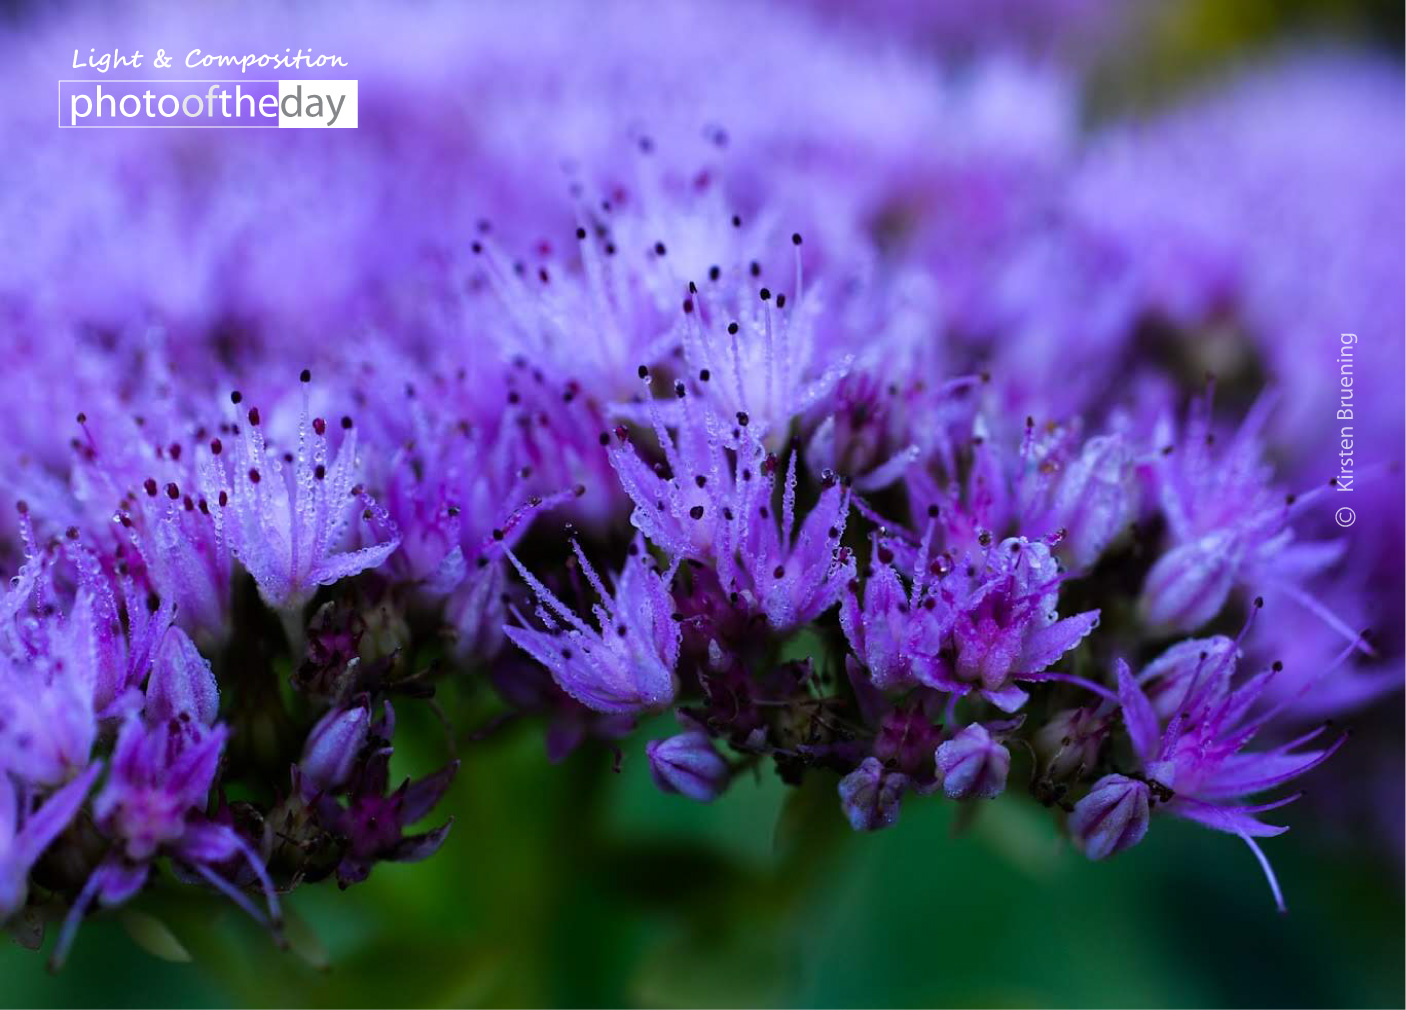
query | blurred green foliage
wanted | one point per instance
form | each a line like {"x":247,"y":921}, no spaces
{"x":576,"y":886}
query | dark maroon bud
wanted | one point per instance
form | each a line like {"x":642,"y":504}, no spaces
{"x":254,"y":416}
{"x":253,"y":476}
{"x":150,"y":485}
{"x":319,"y":426}
{"x":172,"y":491}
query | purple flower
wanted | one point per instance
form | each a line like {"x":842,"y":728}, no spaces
{"x":27,"y":827}
{"x":758,"y":346}
{"x":1008,"y":628}
{"x":162,"y":771}
{"x":164,"y":761}
{"x":47,"y":722}
{"x":292,"y":522}
{"x":372,"y":822}
{"x":899,"y":635}
{"x":1227,"y":525}
{"x":1112,"y":817}
{"x":972,"y":764}
{"x":870,"y":795}
{"x":688,"y":764}
{"x":159,"y":775}
{"x":716,"y":505}
{"x":1198,"y":758}
{"x":625,"y":666}
{"x":180,"y":547}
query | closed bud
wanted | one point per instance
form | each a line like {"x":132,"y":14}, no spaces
{"x":1113,"y":817}
{"x":1095,"y":499}
{"x":332,"y":748}
{"x":1189,"y":584}
{"x":689,"y":765}
{"x":1189,"y":674}
{"x":870,"y":795}
{"x":1070,"y":741}
{"x":972,"y":764}
{"x":181,"y":682}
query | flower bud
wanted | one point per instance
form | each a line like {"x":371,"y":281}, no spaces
{"x":1095,"y":499}
{"x":689,"y":765}
{"x":181,"y":682}
{"x":1113,"y":817}
{"x":332,"y":748}
{"x":1070,"y":741}
{"x":1189,"y":584}
{"x":870,"y":795}
{"x":1196,"y":670}
{"x":972,"y":764}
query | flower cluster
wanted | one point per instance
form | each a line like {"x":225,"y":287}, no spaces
{"x":870,"y":460}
